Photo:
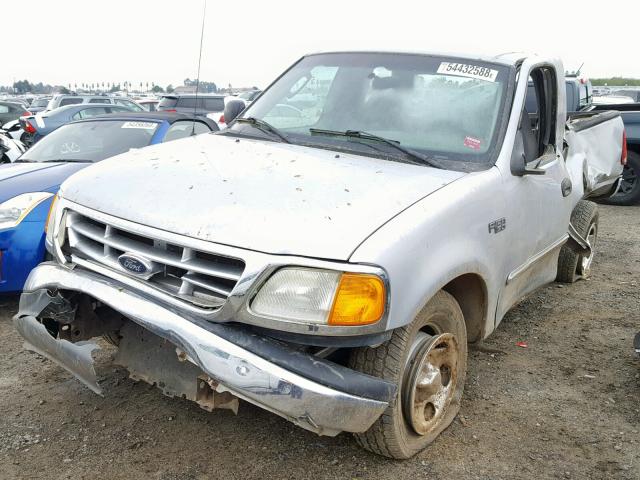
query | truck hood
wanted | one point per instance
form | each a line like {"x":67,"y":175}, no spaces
{"x":264,"y":196}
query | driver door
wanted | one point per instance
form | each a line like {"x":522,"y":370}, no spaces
{"x":539,"y":205}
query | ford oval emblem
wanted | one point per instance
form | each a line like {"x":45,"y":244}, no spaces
{"x":135,"y":264}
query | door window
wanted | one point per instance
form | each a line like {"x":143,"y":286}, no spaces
{"x":214,"y":104}
{"x":92,"y":112}
{"x":70,"y":101}
{"x":185,"y":129}
{"x":538,"y":128}
{"x":130,"y":105}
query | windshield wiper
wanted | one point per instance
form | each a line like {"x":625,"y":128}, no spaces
{"x":264,"y":126}
{"x":418,"y":158}
{"x":67,"y":160}
{"x":55,"y":160}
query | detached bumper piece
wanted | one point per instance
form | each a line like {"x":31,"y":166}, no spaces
{"x":206,"y":362}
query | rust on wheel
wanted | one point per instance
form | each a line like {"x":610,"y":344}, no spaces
{"x":431,"y":381}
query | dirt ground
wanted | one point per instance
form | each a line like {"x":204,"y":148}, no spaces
{"x":568,"y":406}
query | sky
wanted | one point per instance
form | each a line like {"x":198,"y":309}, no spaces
{"x":249,"y":43}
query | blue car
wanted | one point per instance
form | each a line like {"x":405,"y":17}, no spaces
{"x":37,"y":126}
{"x":27,"y":186}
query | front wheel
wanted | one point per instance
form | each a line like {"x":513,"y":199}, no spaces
{"x":427,"y":360}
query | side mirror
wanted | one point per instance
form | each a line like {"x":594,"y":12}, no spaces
{"x":519,"y":164}
{"x":232,"y":109}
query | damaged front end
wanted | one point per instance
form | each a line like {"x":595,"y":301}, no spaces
{"x":62,"y":311}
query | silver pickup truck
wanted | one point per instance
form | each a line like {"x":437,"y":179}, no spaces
{"x":329,"y":256}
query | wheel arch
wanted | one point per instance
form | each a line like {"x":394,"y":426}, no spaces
{"x":470,"y":291}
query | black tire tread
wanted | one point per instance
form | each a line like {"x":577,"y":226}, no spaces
{"x":385,"y":361}
{"x":375,"y":439}
{"x":581,"y":218}
{"x":632,"y":198}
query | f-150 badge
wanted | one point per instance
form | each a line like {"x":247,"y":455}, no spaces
{"x":498,"y":225}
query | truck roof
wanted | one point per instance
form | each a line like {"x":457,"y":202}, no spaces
{"x":507,"y":58}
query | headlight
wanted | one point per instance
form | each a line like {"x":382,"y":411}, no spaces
{"x":13,"y":211}
{"x":54,"y":226}
{"x":322,"y":297}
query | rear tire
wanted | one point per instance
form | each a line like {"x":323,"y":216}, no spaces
{"x":427,"y":360}
{"x":26,"y":139}
{"x":629,"y":191}
{"x":572,"y":265}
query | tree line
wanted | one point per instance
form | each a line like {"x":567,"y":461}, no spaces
{"x":616,"y":81}
{"x":25,"y":86}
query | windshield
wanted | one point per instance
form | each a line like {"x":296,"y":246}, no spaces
{"x":40,"y":102}
{"x":91,"y":141}
{"x":168,"y":102}
{"x":444,"y":107}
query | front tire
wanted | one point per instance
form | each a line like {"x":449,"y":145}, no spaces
{"x":427,"y":360}
{"x":572,"y":265}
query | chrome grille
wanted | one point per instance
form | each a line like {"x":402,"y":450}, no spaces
{"x":201,"y":278}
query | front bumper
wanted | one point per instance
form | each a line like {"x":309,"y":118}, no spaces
{"x":327,"y":400}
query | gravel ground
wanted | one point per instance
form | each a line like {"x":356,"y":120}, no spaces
{"x":568,"y":406}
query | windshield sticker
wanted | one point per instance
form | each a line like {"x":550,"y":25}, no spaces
{"x":143,"y":125}
{"x":471,"y":142}
{"x":470,"y":71}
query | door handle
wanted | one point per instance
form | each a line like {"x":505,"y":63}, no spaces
{"x":566,"y":187}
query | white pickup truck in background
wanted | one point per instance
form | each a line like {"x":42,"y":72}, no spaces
{"x":330,"y":254}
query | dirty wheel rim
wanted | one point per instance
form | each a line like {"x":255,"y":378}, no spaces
{"x":585,"y":261}
{"x":431,"y":382}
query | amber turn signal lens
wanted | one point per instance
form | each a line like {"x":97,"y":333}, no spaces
{"x":360,"y":300}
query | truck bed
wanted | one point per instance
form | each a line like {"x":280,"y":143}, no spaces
{"x":578,"y":121}
{"x":594,"y":150}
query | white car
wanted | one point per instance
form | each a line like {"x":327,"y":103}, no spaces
{"x":13,"y":129}
{"x":611,"y":100}
{"x":10,"y":148}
